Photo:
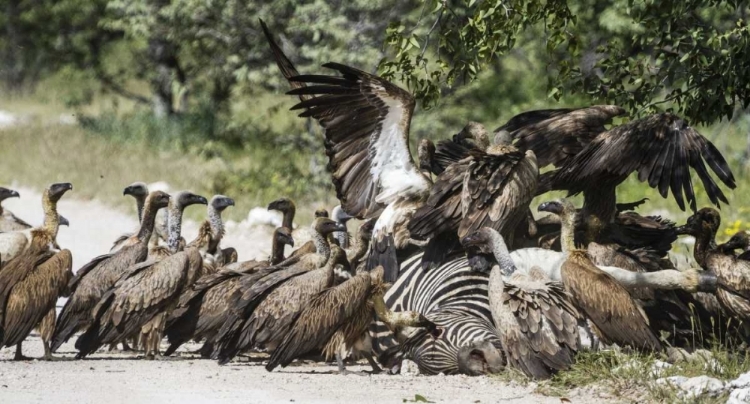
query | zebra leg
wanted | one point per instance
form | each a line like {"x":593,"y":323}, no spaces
{"x":375,"y":368}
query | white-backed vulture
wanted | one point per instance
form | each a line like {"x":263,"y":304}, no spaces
{"x":9,"y":221}
{"x":733,"y":273}
{"x":288,"y":210}
{"x":341,"y":237}
{"x":31,"y":282}
{"x":238,"y":331}
{"x":339,"y":316}
{"x":612,"y":313}
{"x":101,"y":273}
{"x":536,"y":320}
{"x":200,"y":313}
{"x":139,"y":192}
{"x":366,"y":121}
{"x":661,"y":148}
{"x":211,"y":232}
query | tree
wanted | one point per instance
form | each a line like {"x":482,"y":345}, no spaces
{"x":690,"y":56}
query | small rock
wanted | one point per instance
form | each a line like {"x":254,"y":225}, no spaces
{"x":409,"y":368}
{"x":262,"y":216}
{"x":658,"y":368}
{"x":700,"y":385}
{"x":741,"y":382}
{"x":739,"y":396}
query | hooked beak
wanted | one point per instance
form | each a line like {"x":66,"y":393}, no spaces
{"x":14,"y":194}
{"x":682,"y":230}
{"x":552,"y":207}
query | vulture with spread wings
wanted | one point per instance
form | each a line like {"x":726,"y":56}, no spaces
{"x":661,"y":148}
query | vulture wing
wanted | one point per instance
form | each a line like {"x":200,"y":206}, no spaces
{"x":607,"y":304}
{"x":366,"y":121}
{"x":320,"y":319}
{"x":555,"y":135}
{"x":660,"y":148}
{"x":283,"y":62}
{"x":734,"y":286}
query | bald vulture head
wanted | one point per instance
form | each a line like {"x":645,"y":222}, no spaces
{"x":705,"y":222}
{"x":6,"y":193}
{"x":136,"y":190}
{"x":488,"y":241}
{"x":183,"y":199}
{"x":157,"y":200}
{"x":283,"y":205}
{"x":559,"y":207}
{"x":321,"y":212}
{"x":326,"y":226}
{"x":221,"y":202}
{"x":740,"y":240}
{"x":503,"y":137}
{"x":283,"y":235}
{"x":57,"y":190}
{"x":476,"y":132}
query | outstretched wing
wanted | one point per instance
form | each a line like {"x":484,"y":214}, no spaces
{"x":556,"y":135}
{"x":366,"y":121}
{"x":661,"y":148}
{"x":283,"y":62}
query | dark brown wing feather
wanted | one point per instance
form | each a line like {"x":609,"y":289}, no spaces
{"x":607,"y":304}
{"x":661,"y":148}
{"x":283,"y":62}
{"x":319,"y":320}
{"x":556,"y":135}
{"x":32,"y":298}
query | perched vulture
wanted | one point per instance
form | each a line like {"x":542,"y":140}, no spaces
{"x":740,"y":240}
{"x":9,"y":221}
{"x":211,"y":232}
{"x":139,"y":192}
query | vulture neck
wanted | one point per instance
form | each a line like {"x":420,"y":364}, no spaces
{"x":705,"y":243}
{"x":147,"y":223}
{"x":174,"y":226}
{"x":602,"y":203}
{"x":358,"y":250}
{"x":567,"y":231}
{"x":343,"y":238}
{"x":288,"y":219}
{"x":321,"y":244}
{"x":51,"y":218}
{"x":277,"y":251}
{"x":140,"y":202}
{"x":501,"y":253}
{"x":216,"y":224}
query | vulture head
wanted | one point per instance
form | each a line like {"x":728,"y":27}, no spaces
{"x":221,"y":202}
{"x":326,"y":226}
{"x":488,"y":243}
{"x":6,"y":193}
{"x":339,"y":215}
{"x":184,"y":199}
{"x":283,"y":235}
{"x":480,"y":358}
{"x":366,"y":229}
{"x":56,"y":191}
{"x":704,"y":222}
{"x":740,"y":240}
{"x":283,"y":205}
{"x":322,"y":212}
{"x":158,"y":200}
{"x":481,"y":239}
{"x":426,"y":153}
{"x":503,"y":137}
{"x":136,"y":190}
{"x":476,"y":133}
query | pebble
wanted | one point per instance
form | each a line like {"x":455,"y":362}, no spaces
{"x":409,"y":368}
{"x":694,"y":387}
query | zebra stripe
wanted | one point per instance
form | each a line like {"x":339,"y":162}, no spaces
{"x":454,"y":297}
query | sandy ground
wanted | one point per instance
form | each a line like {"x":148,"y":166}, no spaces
{"x":125,"y":378}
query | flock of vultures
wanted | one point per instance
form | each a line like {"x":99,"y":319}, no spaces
{"x":450,"y":266}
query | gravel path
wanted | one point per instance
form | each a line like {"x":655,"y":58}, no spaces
{"x":120,"y":378}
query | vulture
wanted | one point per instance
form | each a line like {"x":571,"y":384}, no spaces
{"x":472,"y":137}
{"x":613,"y":314}
{"x":661,"y":148}
{"x":99,"y":275}
{"x":733,"y":273}
{"x":366,"y":120}
{"x":9,"y":221}
{"x":536,"y":320}
{"x":239,"y":329}
{"x":211,"y":232}
{"x":288,"y":209}
{"x":141,"y":300}
{"x":341,"y":237}
{"x":489,"y":188}
{"x":139,"y":191}
{"x":31,"y":283}
{"x":200,"y":311}
{"x":337,"y":317}
{"x":740,"y":240}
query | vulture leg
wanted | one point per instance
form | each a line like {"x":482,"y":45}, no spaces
{"x":46,"y":330}
{"x":19,"y":354}
{"x":342,"y":369}
{"x":375,"y":368}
